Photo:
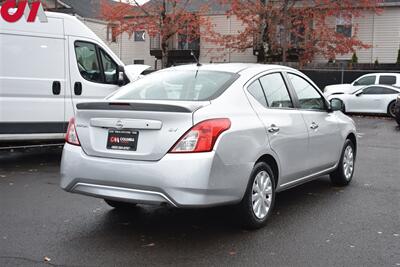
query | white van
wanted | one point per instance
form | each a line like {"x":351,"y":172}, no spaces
{"x":46,"y":69}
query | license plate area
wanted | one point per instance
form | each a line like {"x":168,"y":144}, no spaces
{"x":125,"y":140}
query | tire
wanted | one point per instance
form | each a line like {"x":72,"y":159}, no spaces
{"x":251,"y":216}
{"x":120,"y":205}
{"x":392,"y":109}
{"x":343,"y":175}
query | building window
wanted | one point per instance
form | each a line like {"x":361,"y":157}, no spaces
{"x":112,"y":33}
{"x":139,"y":36}
{"x":184,"y":43}
{"x":138,"y":61}
{"x":344,"y":25}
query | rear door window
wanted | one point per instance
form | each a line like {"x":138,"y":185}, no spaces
{"x":387,"y":91}
{"x":387,"y":79}
{"x":276,"y":91}
{"x":256,"y":91}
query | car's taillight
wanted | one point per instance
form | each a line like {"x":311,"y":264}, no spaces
{"x":72,"y":135}
{"x":201,"y":137}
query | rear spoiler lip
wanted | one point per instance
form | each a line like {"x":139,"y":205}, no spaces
{"x":133,"y":107}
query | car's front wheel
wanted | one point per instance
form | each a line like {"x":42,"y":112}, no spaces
{"x":343,"y":175}
{"x":259,"y":199}
{"x":392,"y":109}
{"x":119,"y":204}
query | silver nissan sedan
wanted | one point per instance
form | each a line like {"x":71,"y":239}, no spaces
{"x":201,"y":136}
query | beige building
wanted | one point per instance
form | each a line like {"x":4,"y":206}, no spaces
{"x":381,"y":31}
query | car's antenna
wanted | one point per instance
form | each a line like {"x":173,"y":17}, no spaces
{"x":195,"y":58}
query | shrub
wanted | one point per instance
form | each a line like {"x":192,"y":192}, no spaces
{"x":354,"y":58}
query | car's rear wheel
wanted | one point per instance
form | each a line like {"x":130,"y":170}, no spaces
{"x":392,"y":109}
{"x":343,"y":175}
{"x":119,"y":204}
{"x":259,"y":199}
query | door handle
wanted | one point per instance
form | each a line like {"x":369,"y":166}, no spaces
{"x":78,"y":88}
{"x":273,"y":129}
{"x":56,"y":88}
{"x":314,"y":126}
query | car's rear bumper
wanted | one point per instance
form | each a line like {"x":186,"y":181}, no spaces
{"x":181,"y":180}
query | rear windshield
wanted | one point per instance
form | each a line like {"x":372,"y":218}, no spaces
{"x":182,"y":85}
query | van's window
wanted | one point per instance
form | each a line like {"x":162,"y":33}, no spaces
{"x":387,"y":80}
{"x":366,"y":81}
{"x":186,"y":85}
{"x":88,"y":63}
{"x":275,"y":90}
{"x":256,"y":91}
{"x":109,"y":67}
{"x":308,"y":96}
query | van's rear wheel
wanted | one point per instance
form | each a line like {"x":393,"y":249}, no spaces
{"x":258,"y":202}
{"x":119,"y":204}
{"x":343,"y":175}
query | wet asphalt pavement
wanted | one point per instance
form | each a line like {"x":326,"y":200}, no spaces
{"x":313,"y":225}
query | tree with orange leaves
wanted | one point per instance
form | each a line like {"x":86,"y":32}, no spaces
{"x":277,"y":29}
{"x":164,"y":19}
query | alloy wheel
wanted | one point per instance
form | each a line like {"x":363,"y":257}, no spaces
{"x":348,"y":162}
{"x":262,"y":195}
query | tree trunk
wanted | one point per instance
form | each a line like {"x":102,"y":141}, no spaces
{"x":164,"y":53}
{"x":164,"y":44}
{"x":262,"y":45}
{"x":285,"y":31}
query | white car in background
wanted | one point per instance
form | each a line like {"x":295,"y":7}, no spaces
{"x":371,"y":99}
{"x":392,"y":79}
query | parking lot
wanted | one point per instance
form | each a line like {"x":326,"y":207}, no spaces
{"x":313,"y":225}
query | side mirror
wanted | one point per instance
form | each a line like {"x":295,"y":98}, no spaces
{"x":336,"y":104}
{"x":356,"y":84}
{"x":121,"y":76}
{"x":359,"y":93}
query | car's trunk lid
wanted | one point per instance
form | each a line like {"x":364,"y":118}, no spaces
{"x":155,"y":125}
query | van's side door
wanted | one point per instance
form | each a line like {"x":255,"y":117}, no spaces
{"x":284,"y":125}
{"x":32,"y":81}
{"x":325,"y":139}
{"x":93,"y":72}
